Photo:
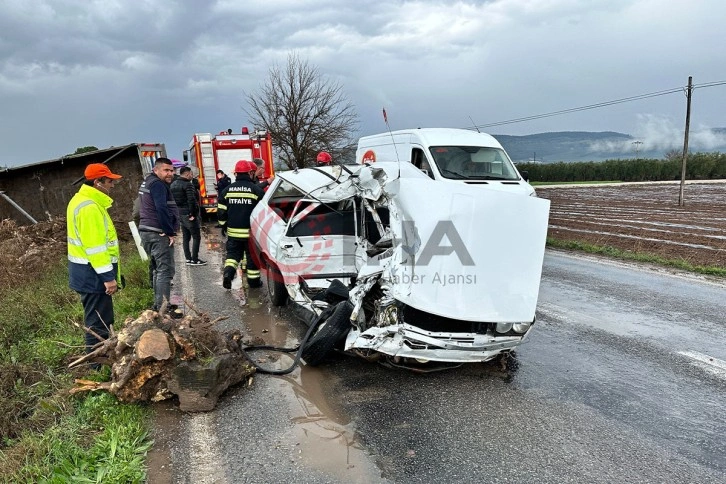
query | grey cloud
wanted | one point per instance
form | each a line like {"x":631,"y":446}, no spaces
{"x":119,"y":71}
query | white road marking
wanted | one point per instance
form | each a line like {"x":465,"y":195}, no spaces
{"x":708,"y":363}
{"x":204,"y":449}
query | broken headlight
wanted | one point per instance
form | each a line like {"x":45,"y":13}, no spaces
{"x":503,"y":327}
{"x":521,"y":328}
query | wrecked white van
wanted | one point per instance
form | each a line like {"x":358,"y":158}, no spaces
{"x":393,"y":266}
{"x":448,"y":155}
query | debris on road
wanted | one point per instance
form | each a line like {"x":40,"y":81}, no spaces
{"x":156,"y":357}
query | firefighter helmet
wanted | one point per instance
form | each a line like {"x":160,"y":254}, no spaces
{"x":244,"y":166}
{"x":323,"y":158}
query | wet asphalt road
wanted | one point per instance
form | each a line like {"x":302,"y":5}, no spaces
{"x":614,"y":385}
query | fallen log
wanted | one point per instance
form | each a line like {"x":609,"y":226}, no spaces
{"x":156,"y":357}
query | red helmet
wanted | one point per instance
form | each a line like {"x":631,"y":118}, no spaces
{"x":244,"y":166}
{"x":324,"y":158}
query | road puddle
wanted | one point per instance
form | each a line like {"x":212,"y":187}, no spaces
{"x":325,"y":438}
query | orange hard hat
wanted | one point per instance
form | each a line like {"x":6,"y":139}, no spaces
{"x":324,"y":157}
{"x":244,"y":166}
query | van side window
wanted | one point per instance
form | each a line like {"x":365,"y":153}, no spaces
{"x":416,"y":156}
{"x":418,"y":159}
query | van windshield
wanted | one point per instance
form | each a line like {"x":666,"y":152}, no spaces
{"x":473,"y":163}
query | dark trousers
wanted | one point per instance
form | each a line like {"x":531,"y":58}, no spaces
{"x":191,"y":230}
{"x":163,"y":271}
{"x":97,"y":316}
{"x":236,"y":250}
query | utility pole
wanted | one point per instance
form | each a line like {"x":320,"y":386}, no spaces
{"x":637,"y":144}
{"x":681,"y":202}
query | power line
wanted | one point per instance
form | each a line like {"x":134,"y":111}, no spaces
{"x":709,"y":84}
{"x":598,"y":105}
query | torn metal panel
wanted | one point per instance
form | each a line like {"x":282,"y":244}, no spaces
{"x":408,"y":341}
{"x":434,"y":271}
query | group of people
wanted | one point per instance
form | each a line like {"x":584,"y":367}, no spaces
{"x":166,"y":203}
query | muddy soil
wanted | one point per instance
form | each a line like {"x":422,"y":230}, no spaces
{"x":644,"y":218}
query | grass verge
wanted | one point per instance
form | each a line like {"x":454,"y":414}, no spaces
{"x":46,"y":434}
{"x":635,"y":256}
{"x":599,"y":182}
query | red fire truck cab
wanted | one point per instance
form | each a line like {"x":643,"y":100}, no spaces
{"x":209,"y":153}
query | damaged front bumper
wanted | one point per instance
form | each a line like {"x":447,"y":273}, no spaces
{"x":407,"y":341}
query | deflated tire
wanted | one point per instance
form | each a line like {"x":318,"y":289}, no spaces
{"x":330,"y":332}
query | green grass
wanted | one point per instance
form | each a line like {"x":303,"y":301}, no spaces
{"x":96,"y":439}
{"x":635,"y":256}
{"x":535,"y":183}
{"x":46,"y":435}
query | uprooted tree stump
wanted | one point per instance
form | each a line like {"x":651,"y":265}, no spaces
{"x":156,"y":357}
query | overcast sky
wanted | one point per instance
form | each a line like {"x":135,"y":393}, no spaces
{"x":111,"y":72}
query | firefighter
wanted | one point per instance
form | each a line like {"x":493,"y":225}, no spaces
{"x":233,"y":211}
{"x":323,"y":159}
{"x":93,"y":251}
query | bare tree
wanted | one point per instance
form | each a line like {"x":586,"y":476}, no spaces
{"x":674,"y":155}
{"x":304,"y":112}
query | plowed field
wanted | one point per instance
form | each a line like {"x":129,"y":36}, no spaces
{"x":643,"y":218}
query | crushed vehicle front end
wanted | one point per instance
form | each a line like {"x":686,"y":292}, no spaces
{"x":460,"y":281}
{"x":433,"y":272}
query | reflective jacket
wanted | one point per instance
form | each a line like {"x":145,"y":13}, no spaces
{"x":235,"y":205}
{"x":93,"y":251}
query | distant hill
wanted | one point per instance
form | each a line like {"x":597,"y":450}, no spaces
{"x":564,"y":146}
{"x":597,"y":146}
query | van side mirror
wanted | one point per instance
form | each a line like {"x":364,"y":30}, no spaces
{"x":185,"y":155}
{"x":525,"y":175}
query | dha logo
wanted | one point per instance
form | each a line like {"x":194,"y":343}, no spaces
{"x":320,"y":250}
{"x":434,"y":247}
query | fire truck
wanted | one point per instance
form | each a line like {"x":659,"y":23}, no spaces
{"x":209,"y":153}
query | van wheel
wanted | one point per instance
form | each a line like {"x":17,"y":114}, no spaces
{"x":275,"y":286}
{"x":329,"y":333}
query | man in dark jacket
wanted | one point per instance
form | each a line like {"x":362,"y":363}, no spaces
{"x":263,"y":182}
{"x":234,"y":208}
{"x":185,"y":196}
{"x":223,"y":182}
{"x":158,"y":225}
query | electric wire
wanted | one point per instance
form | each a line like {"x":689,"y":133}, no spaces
{"x":599,"y":105}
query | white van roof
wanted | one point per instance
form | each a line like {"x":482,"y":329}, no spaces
{"x":445,"y":137}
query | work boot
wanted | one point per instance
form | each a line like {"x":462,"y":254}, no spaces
{"x":227,"y":278}
{"x":255,"y":282}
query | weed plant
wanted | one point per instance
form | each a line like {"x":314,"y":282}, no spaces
{"x":635,"y":256}
{"x":47,"y":435}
